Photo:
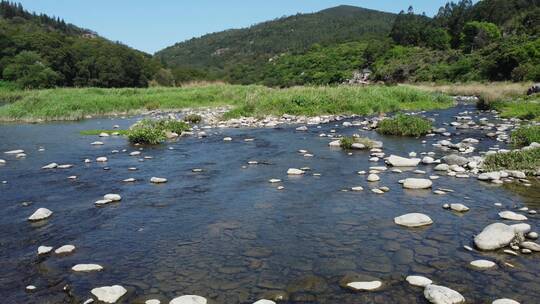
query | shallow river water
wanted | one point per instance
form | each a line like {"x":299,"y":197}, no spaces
{"x":229,"y":235}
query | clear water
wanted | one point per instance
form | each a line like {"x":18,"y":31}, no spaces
{"x":232,"y":237}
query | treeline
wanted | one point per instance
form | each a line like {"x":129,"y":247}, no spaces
{"x":38,"y":51}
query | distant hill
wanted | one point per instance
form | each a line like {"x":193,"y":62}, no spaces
{"x":39,"y":51}
{"x":220,"y":53}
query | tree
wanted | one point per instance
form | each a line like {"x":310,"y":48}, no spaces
{"x":29,"y":71}
{"x":477,"y":35}
{"x":164,"y":77}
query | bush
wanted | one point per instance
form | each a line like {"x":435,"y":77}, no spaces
{"x":153,"y":132}
{"x":524,"y":136}
{"x":405,"y":125}
{"x":193,"y":118}
{"x":347,"y":142}
{"x":526,"y":160}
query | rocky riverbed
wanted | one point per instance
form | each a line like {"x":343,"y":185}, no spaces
{"x":262,"y":210}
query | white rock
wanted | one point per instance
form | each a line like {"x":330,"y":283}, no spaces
{"x":494,"y":236}
{"x":274,"y":180}
{"x":459,"y":207}
{"x":87,"y":267}
{"x":109,"y":294}
{"x":335,"y":143}
{"x":521,"y":228}
{"x":372,"y":285}
{"x":417,"y":183}
{"x":294,"y":171}
{"x":483,"y":264}
{"x":30,"y":288}
{"x":40,"y":214}
{"x":398,"y":161}
{"x":129,"y":180}
{"x":263,"y":301}
{"x":358,"y":188}
{"x":103,"y":134}
{"x":442,"y":295}
{"x":101,"y":159}
{"x":97,"y":143}
{"x":14,"y":152}
{"x":377,"y":191}
{"x":152,"y":301}
{"x":504,"y":301}
{"x":419,"y":281}
{"x":428,"y":160}
{"x":112,"y":197}
{"x":227,"y":139}
{"x":510,"y":215}
{"x":135,"y":153}
{"x":413,"y":220}
{"x":50,"y":166}
{"x":102,"y":202}
{"x":188,"y":299}
{"x":2,"y":162}
{"x":65,"y":249}
{"x":44,"y":250}
{"x":158,"y":180}
{"x":441,"y":167}
{"x":373,"y":178}
{"x":531,"y":246}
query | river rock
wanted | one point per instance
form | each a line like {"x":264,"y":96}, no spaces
{"x":14,"y":152}
{"x":109,"y":294}
{"x":510,"y":215}
{"x":373,"y":178}
{"x":87,"y":267}
{"x":50,"y":166}
{"x":398,"y":161}
{"x":40,"y":214}
{"x":65,"y":249}
{"x":454,"y":159}
{"x":504,"y":301}
{"x":44,"y":250}
{"x":101,"y":159}
{"x":417,"y":183}
{"x":188,"y":299}
{"x":112,"y":197}
{"x":483,"y":264}
{"x":365,"y":286}
{"x":419,"y":281}
{"x":158,"y":180}
{"x":442,"y":295}
{"x":152,"y":301}
{"x":441,"y":167}
{"x":294,"y":171}
{"x":531,"y":246}
{"x":263,"y":301}
{"x":459,"y":207}
{"x":495,"y":236}
{"x":335,"y":143}
{"x":413,"y":220}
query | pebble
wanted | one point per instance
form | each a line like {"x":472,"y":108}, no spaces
{"x":294,"y":171}
{"x":158,"y":180}
{"x":365,"y":286}
{"x":264,"y":302}
{"x":101,"y":159}
{"x":44,"y":250}
{"x":65,"y":249}
{"x":483,"y":264}
{"x":419,"y":281}
{"x":417,"y":183}
{"x":373,"y":178}
{"x":510,"y":215}
{"x":87,"y":267}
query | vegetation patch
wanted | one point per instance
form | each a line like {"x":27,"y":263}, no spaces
{"x":193,"y":118}
{"x":153,"y":132}
{"x":404,"y":125}
{"x":524,"y":136}
{"x":527,"y":160}
{"x":77,"y":103}
{"x":347,"y":142}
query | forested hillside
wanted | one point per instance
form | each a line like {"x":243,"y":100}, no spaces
{"x":492,"y":40}
{"x":240,"y":55}
{"x":39,"y":51}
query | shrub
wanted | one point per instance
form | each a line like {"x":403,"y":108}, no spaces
{"x":347,"y":142}
{"x":526,"y":160}
{"x":524,"y":136}
{"x":193,"y":118}
{"x":405,"y":125}
{"x":153,"y":132}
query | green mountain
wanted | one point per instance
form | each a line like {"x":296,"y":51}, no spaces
{"x":236,"y":55}
{"x":38,"y":51}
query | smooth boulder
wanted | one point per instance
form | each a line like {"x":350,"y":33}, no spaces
{"x":413,"y":220}
{"x":495,"y":236}
{"x":189,"y":299}
{"x":109,"y":294}
{"x":417,"y":183}
{"x":398,"y":161}
{"x":40,"y":214}
{"x":419,"y":281}
{"x":442,"y":295}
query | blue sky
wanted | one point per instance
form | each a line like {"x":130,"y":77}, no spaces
{"x":153,"y":25}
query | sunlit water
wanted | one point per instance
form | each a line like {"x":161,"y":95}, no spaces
{"x":229,"y":235}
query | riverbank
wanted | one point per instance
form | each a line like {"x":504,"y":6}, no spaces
{"x":508,"y":98}
{"x":253,"y":101}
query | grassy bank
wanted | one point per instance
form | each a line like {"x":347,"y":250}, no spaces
{"x":74,"y":104}
{"x":508,"y":98}
{"x":527,"y":160}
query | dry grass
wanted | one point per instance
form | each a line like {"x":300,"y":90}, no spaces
{"x":487,"y":92}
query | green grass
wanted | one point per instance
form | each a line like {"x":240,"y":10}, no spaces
{"x":526,"y":160}
{"x":347,"y":142}
{"x":193,"y":118}
{"x":97,"y":132}
{"x":528,"y":108}
{"x":404,"y":125}
{"x":153,"y":132}
{"x":78,"y":103}
{"x":524,"y":136}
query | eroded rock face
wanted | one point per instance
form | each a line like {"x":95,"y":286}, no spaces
{"x":442,"y":295}
{"x":189,"y":299}
{"x":413,"y":220}
{"x":495,"y":236}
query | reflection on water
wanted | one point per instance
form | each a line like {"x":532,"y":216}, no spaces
{"x":232,"y":237}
